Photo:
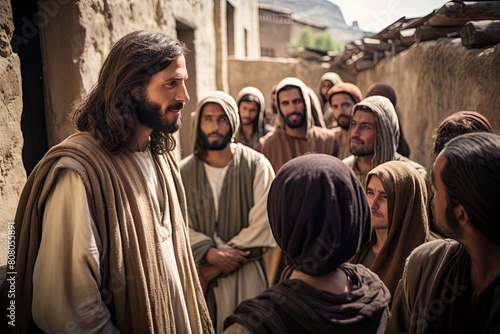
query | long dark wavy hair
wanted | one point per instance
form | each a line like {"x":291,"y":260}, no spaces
{"x":109,"y":111}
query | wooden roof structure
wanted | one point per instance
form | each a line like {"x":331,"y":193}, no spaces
{"x":476,"y":23}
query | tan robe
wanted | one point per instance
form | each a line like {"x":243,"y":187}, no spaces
{"x":131,"y":275}
{"x":279,"y":147}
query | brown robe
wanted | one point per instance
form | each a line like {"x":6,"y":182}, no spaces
{"x":429,"y":288}
{"x":408,"y":225}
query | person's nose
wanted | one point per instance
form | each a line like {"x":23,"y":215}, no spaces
{"x":216,"y":126}
{"x":182,"y":93}
{"x":354,"y":130}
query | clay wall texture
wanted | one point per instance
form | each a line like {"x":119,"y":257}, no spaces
{"x":434,"y":79}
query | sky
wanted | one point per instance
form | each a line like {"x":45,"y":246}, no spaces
{"x":375,"y":15}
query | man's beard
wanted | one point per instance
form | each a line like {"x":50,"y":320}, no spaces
{"x":247,"y":121}
{"x":344,"y":125}
{"x":294,"y":124}
{"x":449,"y":228}
{"x":360,"y":151}
{"x":217,"y":145}
{"x":149,"y":113}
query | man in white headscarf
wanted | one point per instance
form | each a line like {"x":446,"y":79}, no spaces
{"x":226,"y":187}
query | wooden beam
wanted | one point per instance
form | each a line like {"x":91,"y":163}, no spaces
{"x":481,"y":33}
{"x":483,"y":9}
{"x":374,"y":44}
{"x":455,"y":13}
{"x":408,"y":37}
{"x":425,"y":33}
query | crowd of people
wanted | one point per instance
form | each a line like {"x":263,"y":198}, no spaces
{"x":310,"y":218}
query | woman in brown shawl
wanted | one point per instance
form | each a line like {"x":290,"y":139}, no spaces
{"x":405,"y":195}
{"x":319,"y":217}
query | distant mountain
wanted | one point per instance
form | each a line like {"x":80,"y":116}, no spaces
{"x":321,"y":12}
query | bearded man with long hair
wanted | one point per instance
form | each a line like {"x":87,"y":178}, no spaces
{"x":101,"y":226}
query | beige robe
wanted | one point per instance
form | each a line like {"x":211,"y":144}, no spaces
{"x":119,"y":227}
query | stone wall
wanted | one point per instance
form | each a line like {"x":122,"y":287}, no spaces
{"x":433,"y":79}
{"x":75,"y":38}
{"x":79,"y":36}
{"x":12,"y":173}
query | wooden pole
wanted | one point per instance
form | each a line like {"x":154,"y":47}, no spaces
{"x":481,"y":33}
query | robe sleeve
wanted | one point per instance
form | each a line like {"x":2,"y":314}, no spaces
{"x":67,"y":276}
{"x":400,"y":315}
{"x":258,"y":233}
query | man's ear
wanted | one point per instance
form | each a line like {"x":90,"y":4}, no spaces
{"x":461,"y":215}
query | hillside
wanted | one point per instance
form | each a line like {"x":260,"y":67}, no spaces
{"x":322,"y":12}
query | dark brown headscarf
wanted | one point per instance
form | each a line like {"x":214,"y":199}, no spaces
{"x":318,"y":213}
{"x":408,"y":226}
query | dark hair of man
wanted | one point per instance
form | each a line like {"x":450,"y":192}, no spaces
{"x":109,"y":112}
{"x":455,"y":126}
{"x":471,"y":177}
{"x":251,"y":98}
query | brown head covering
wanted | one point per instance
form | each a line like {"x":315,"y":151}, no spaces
{"x":458,"y":123}
{"x":382,"y":89}
{"x":408,"y":225}
{"x":346,"y":88}
{"x":318,"y":213}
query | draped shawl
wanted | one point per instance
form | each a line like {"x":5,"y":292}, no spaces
{"x":293,"y":306}
{"x":123,"y":211}
{"x":408,"y":225}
